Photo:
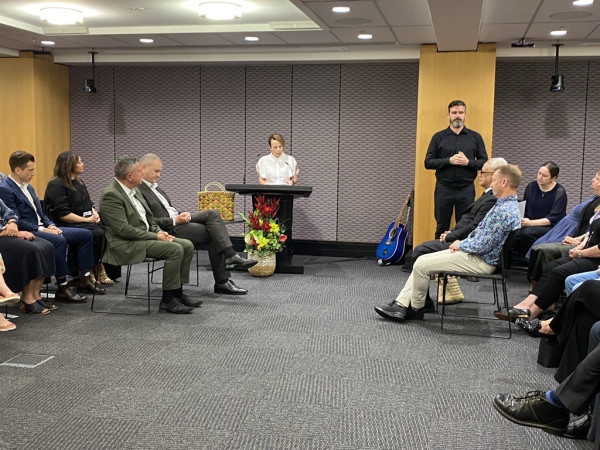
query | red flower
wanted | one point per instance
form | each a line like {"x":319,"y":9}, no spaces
{"x":252,"y":240}
{"x":266,"y":227}
{"x":283,"y":238}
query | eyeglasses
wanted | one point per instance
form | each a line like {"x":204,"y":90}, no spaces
{"x":482,"y":172}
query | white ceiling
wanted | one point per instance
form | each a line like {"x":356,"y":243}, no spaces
{"x":298,"y":30}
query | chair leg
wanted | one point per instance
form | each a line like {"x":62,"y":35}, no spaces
{"x":150,"y":273}
{"x":127,"y":279}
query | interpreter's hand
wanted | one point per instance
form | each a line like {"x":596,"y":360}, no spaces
{"x":454,"y":246}
{"x":25,"y":235}
{"x":53,"y":229}
{"x":182,"y":218}
{"x":525,"y":222}
{"x":10,"y":229}
{"x":459,"y":159}
{"x":443,"y":236}
{"x":164,"y":236}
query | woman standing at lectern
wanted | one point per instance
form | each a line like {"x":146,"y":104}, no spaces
{"x":277,"y":168}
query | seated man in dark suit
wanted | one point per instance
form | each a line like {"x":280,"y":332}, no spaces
{"x":132,"y":235}
{"x":201,"y":228}
{"x":468,"y":221}
{"x":18,"y":195}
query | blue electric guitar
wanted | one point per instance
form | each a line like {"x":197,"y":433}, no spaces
{"x":391,"y":248}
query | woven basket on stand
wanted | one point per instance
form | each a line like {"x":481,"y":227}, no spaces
{"x":265,"y":266}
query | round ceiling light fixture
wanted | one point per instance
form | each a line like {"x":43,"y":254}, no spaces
{"x":220,"y":10}
{"x":61,"y":16}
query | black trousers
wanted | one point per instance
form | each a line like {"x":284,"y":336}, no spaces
{"x":552,"y":283}
{"x":447,"y":201}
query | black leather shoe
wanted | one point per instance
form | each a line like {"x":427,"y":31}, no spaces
{"x":407,"y":268}
{"x":65,"y":294}
{"x":512,"y":314}
{"x":579,"y":428}
{"x":47,"y":304}
{"x":240,"y":262}
{"x":429,"y":305}
{"x":189,"y":302}
{"x":415,"y":314}
{"x":393,"y":311}
{"x":175,"y":306}
{"x":229,"y":288}
{"x":531,"y":327}
{"x":533,"y":410}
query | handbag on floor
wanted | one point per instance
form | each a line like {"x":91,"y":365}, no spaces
{"x":453,"y":292}
{"x":549,"y":354}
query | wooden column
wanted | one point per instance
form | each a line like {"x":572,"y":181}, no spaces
{"x":34,"y":112}
{"x":443,"y":77}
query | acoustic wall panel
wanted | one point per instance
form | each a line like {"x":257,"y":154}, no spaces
{"x":377,"y":147}
{"x":533,"y":125}
{"x":591,"y":157}
{"x":268,"y":111}
{"x":223,"y":131}
{"x":315,"y":124}
{"x":157,"y":110}
{"x":92,"y":127}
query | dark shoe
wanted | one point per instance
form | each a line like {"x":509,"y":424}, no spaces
{"x":240,"y":262}
{"x":175,"y":306}
{"x":531,"y":327}
{"x":415,"y":314}
{"x":512,"y":314}
{"x":429,"y":305}
{"x":532,"y":410}
{"x":35,"y":309}
{"x":393,"y":311}
{"x":579,"y":428}
{"x":407,"y":268}
{"x":472,"y":279}
{"x":65,"y":294}
{"x":189,"y":302}
{"x":85,"y":285}
{"x":47,"y":304}
{"x":229,"y":288}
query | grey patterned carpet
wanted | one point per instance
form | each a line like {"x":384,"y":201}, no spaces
{"x":301,"y":362}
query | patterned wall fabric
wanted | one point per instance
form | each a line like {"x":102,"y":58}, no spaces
{"x":533,"y":125}
{"x":351,"y":128}
{"x":377,"y":147}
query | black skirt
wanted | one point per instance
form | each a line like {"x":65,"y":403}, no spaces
{"x":26,"y":260}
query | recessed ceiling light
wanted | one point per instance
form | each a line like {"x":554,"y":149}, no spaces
{"x":365,"y":36}
{"x":341,"y":9}
{"x":558,"y":32}
{"x":61,"y":16}
{"x":251,"y":38}
{"x":137,"y":8}
{"x":47,"y":42}
{"x":146,"y":41}
{"x":220,"y":10}
{"x":583,"y":2}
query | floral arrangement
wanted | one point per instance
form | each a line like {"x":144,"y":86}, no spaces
{"x":265,"y":234}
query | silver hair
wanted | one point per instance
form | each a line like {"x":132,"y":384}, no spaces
{"x":148,"y":158}
{"x":123,"y":166}
{"x":494,"y":163}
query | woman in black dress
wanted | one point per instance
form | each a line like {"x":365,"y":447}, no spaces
{"x":67,"y":202}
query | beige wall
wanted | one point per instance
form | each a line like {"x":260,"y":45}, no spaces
{"x":443,"y":77}
{"x":34,"y":112}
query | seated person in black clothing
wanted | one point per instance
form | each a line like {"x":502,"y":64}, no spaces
{"x":201,"y":228}
{"x":68,"y":203}
{"x":585,"y":257}
{"x":29,"y":260}
{"x":546,"y":204}
{"x":550,"y":410}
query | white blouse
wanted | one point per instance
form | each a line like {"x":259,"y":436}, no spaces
{"x":277,"y":170}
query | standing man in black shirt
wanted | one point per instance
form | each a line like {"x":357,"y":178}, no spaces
{"x":456,"y":154}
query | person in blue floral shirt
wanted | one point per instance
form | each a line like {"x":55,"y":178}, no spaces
{"x":478,"y":253}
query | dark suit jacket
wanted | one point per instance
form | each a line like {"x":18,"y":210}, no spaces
{"x":586,"y":215}
{"x":472,"y":216}
{"x":126,"y":233}
{"x":160,"y":213}
{"x":14,"y":198}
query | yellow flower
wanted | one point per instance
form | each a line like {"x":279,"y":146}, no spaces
{"x":274,"y":227}
{"x":261,"y":242}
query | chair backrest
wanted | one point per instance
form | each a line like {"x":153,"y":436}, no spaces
{"x":506,"y":249}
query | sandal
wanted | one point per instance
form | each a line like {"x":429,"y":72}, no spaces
{"x":8,"y":326}
{"x":35,"y":308}
{"x":11,"y":299}
{"x":103,"y":278}
{"x":93,"y":278}
{"x":44,"y":304}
